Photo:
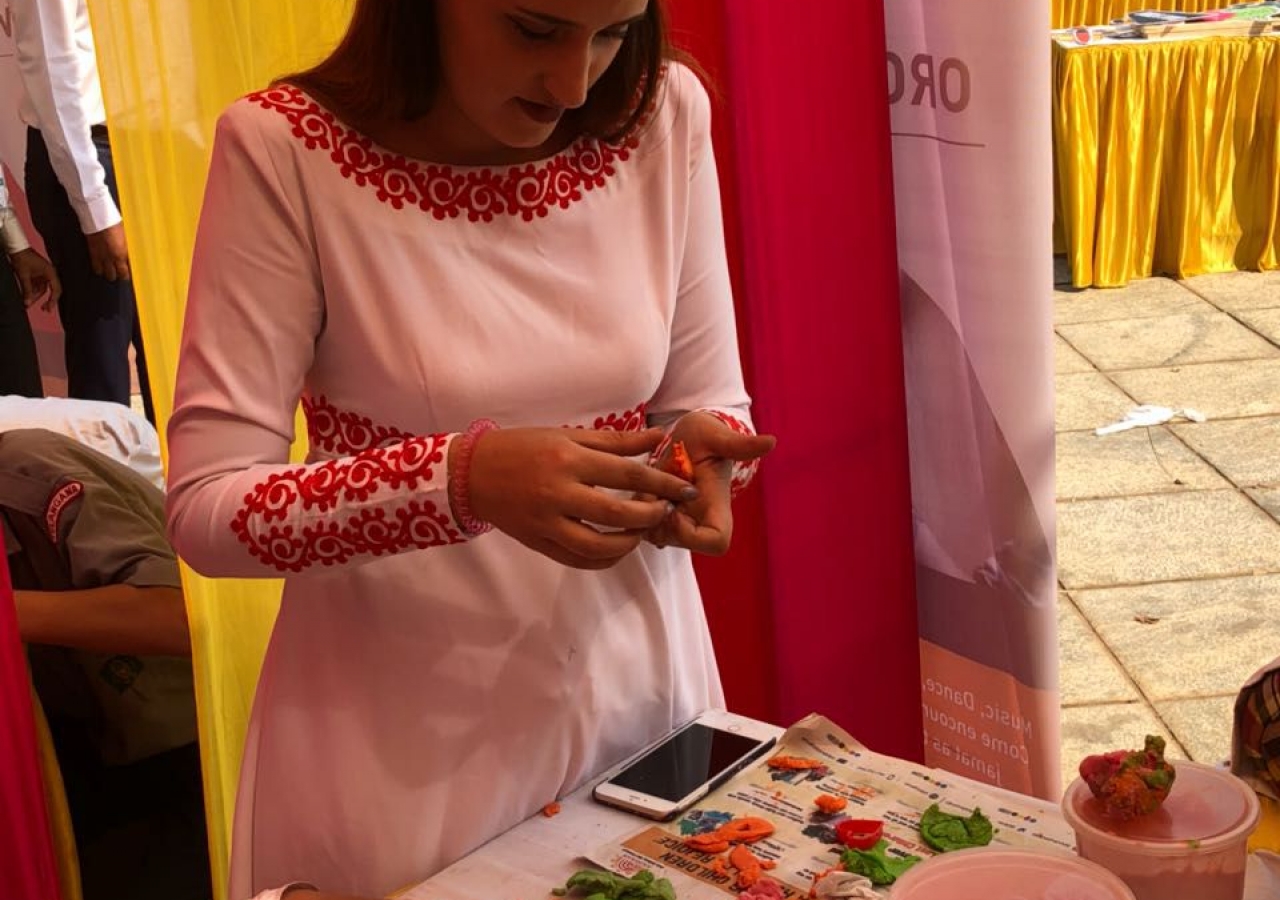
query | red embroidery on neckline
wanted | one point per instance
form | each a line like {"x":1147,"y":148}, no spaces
{"x":529,"y":191}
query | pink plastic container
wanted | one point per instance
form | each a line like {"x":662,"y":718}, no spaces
{"x":1195,"y":847}
{"x":988,"y":873}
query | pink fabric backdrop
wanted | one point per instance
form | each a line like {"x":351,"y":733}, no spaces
{"x":814,"y":609}
{"x":27,"y":869}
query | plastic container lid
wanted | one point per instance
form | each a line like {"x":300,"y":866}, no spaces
{"x":1207,"y":809}
{"x":987,"y":873}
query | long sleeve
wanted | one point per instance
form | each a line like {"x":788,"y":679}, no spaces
{"x":58,"y":65}
{"x":13,"y":239}
{"x":255,"y":312}
{"x":704,"y":370}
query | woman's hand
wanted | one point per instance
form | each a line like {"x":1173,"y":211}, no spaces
{"x":37,"y":278}
{"x":542,"y":487}
{"x":705,"y":525}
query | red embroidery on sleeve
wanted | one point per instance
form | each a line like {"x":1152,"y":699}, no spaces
{"x":416,"y":524}
{"x":374,"y":457}
{"x":743,"y":472}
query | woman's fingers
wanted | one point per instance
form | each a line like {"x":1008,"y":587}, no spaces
{"x":611,"y":510}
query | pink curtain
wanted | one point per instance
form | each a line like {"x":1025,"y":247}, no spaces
{"x":814,"y":609}
{"x":27,"y":868}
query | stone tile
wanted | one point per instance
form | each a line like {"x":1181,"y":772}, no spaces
{"x":1141,"y":461}
{"x":1188,"y":639}
{"x":1244,"y":450}
{"x":1202,"y":727}
{"x":1146,"y":298}
{"x":1164,"y":537}
{"x":1238,"y":290}
{"x":1087,"y":672}
{"x":1086,"y":400}
{"x":1264,"y":321}
{"x":1166,"y":341}
{"x":1268,"y":499}
{"x":1219,"y":390}
{"x":1066,"y":359}
{"x":1096,"y":729}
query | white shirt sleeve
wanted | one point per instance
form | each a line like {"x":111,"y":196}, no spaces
{"x":58,"y":66}
{"x":12,"y":237}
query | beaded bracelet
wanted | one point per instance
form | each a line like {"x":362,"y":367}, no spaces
{"x":460,"y":478}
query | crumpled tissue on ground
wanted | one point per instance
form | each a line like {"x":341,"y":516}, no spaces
{"x":1146,"y":416}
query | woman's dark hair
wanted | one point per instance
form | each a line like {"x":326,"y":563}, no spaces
{"x":388,"y":63}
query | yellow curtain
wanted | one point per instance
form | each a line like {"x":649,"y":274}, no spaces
{"x":1067,"y":13}
{"x":1167,"y":157}
{"x":168,"y":68}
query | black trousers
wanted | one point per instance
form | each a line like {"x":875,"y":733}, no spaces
{"x":19,"y":367}
{"x":99,"y":317}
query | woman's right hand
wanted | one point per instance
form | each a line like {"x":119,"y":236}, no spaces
{"x":541,"y":486}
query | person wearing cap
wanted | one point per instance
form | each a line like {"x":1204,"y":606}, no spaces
{"x":99,"y":603}
{"x":71,"y":186}
{"x":26,"y":277}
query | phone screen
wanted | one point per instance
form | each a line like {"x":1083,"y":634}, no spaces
{"x":692,"y":757}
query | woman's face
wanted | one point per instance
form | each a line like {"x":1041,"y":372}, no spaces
{"x":512,"y":67}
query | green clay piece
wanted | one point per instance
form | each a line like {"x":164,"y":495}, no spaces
{"x":596,"y":884}
{"x":944,"y":831}
{"x":877,"y":865}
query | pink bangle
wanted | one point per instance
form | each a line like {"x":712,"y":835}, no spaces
{"x":460,"y":478}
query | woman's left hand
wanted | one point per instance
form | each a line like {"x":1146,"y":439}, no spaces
{"x":705,"y":525}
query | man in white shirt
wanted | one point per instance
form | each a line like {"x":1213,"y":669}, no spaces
{"x":25,"y":277}
{"x":71,"y":186}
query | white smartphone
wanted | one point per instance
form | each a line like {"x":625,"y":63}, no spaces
{"x":668,"y":777}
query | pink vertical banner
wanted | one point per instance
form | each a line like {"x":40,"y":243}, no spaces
{"x":969,"y":100}
{"x":804,"y":147}
{"x":27,"y":867}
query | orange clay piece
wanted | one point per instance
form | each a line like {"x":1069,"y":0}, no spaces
{"x":717,"y":866}
{"x":794,"y":762}
{"x":829,"y":803}
{"x":551,"y":809}
{"x":707,"y":843}
{"x":680,"y":464}
{"x":750,"y":867}
{"x":746,"y":830}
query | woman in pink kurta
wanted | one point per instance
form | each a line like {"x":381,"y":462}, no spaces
{"x":427,"y":687}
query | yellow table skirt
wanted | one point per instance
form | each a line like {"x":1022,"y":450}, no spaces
{"x":1067,"y":13}
{"x":1167,"y":157}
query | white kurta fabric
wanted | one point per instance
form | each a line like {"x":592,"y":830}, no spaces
{"x":416,"y":702}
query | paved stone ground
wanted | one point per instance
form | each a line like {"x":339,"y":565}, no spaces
{"x":1168,"y":537}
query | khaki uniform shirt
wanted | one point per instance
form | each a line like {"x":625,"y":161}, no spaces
{"x":107,"y":524}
